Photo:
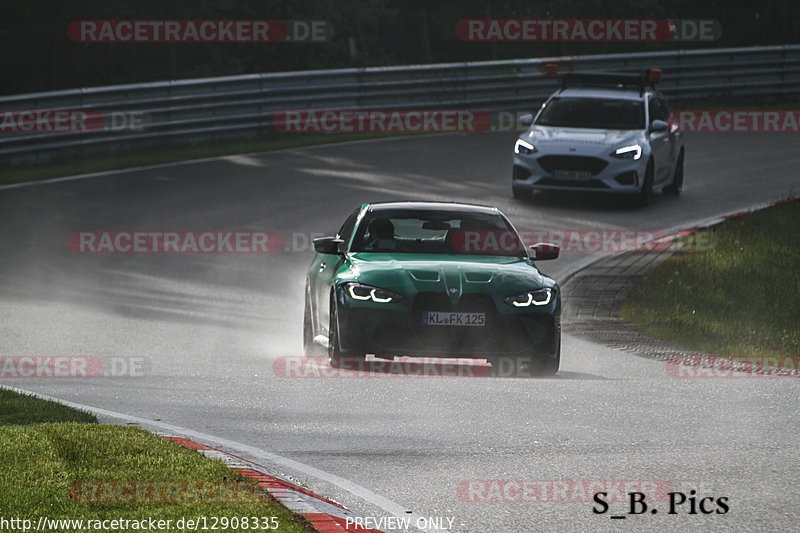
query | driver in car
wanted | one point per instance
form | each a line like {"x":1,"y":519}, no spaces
{"x":381,"y":235}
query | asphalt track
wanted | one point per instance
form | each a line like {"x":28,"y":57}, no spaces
{"x":210,"y":327}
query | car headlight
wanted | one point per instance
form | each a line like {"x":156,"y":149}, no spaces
{"x":633,"y":151}
{"x":359,"y":291}
{"x":526,"y":299}
{"x":524,"y":147}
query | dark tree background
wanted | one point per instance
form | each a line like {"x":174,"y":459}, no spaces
{"x":37,"y":55}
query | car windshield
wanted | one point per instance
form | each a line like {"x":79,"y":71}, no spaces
{"x":593,"y":113}
{"x":436,"y":232}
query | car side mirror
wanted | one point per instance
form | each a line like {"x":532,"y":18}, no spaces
{"x":659,"y":125}
{"x":543,"y":251}
{"x":526,"y":119}
{"x":329,"y":245}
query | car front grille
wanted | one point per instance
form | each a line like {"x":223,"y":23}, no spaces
{"x":550,"y":163}
{"x":456,"y":338}
{"x":588,"y":184}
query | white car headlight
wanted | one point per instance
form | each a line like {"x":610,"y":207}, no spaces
{"x":524,"y":147}
{"x":526,"y":299}
{"x":358,"y":291}
{"x":633,"y":151}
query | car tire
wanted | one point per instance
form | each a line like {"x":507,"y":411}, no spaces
{"x":520,"y":193}
{"x":645,"y":196}
{"x":551,"y":365}
{"x":544,"y":365}
{"x":676,"y":186}
{"x":336,"y":357}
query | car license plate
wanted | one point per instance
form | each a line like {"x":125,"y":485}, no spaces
{"x":573,"y":175}
{"x":437,"y":318}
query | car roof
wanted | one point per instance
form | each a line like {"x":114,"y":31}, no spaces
{"x":432,"y":206}
{"x":609,"y":93}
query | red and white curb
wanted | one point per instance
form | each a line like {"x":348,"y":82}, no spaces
{"x":165,"y":429}
{"x":324,"y":514}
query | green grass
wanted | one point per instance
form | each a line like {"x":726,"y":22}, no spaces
{"x":41,"y":462}
{"x":23,"y":409}
{"x":741,"y":297}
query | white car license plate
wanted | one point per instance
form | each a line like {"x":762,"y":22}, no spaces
{"x":573,"y":175}
{"x":437,"y":318}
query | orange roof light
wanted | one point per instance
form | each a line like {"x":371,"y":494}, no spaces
{"x":655,"y":75}
{"x":550,"y":70}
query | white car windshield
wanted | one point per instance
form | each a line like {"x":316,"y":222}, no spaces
{"x":593,"y":113}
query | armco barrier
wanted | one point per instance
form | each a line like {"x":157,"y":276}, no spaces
{"x":195,"y":110}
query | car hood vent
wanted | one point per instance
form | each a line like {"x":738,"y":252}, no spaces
{"x":424,"y":275}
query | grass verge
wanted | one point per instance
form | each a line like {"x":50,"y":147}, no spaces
{"x":23,"y":409}
{"x":61,"y":469}
{"x":740,"y":297}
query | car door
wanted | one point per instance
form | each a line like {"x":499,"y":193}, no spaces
{"x":659,"y":140}
{"x":321,"y":274}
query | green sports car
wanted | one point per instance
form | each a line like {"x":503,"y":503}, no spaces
{"x":432,"y":279}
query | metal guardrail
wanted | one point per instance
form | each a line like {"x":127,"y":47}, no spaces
{"x":244,"y":106}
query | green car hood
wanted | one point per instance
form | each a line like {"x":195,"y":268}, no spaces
{"x":412,"y":273}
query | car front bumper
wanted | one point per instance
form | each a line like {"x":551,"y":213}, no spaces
{"x":547,"y":172}
{"x":396,"y":329}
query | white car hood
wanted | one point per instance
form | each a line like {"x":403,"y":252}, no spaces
{"x":545,"y":138}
